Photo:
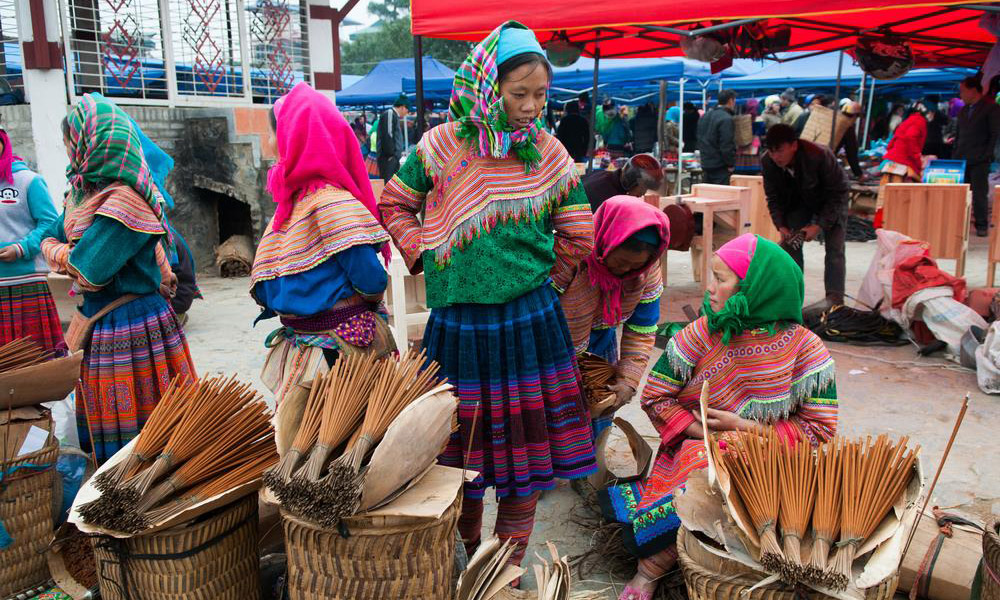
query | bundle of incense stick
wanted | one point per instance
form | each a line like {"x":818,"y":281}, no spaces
{"x":597,"y":375}
{"x":360,"y":400}
{"x":20,"y":353}
{"x":167,"y":412}
{"x":305,"y":437}
{"x":873,"y":477}
{"x":205,"y":437}
{"x":797,"y":469}
{"x":753,"y":463}
{"x":332,"y":414}
{"x":826,"y":510}
{"x":844,"y":490}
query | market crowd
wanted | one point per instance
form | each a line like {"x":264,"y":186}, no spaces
{"x":526,"y":267}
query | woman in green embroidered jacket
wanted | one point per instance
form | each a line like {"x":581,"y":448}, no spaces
{"x":764,"y":369}
{"x":110,"y":241}
{"x":492,"y":187}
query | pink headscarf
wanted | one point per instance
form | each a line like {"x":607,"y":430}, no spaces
{"x":7,"y":159}
{"x":738,"y":252}
{"x":316,"y":148}
{"x":616,"y":220}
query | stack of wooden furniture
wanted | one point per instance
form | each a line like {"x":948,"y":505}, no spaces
{"x":725,"y":206}
{"x":935,"y":213}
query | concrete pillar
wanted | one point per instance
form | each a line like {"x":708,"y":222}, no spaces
{"x":45,"y":89}
{"x":323,"y":34}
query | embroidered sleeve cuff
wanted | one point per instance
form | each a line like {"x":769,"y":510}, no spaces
{"x":644,"y":329}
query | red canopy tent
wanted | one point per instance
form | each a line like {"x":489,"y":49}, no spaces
{"x":940,"y":33}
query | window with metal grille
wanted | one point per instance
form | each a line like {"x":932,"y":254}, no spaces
{"x":186,"y":51}
{"x":11,"y":83}
{"x":280,"y":46}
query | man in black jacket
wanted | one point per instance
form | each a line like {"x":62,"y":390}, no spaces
{"x":975,"y":142}
{"x":574,"y":132}
{"x":715,"y":140}
{"x":390,"y":139}
{"x":644,"y":129}
{"x":807,"y":192}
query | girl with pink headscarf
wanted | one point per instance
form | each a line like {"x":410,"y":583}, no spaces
{"x":319,"y":264}
{"x":26,"y":212}
{"x":619,"y":284}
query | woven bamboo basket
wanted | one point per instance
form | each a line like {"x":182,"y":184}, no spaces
{"x":710,"y":577}
{"x":215,"y":558}
{"x":380,"y":559}
{"x":991,"y":562}
{"x":26,"y":513}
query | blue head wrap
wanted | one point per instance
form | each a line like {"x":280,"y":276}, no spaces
{"x":515,"y":41}
{"x":674,"y":114}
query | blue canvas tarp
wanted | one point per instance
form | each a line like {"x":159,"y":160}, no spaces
{"x":383,"y":84}
{"x":820,"y":72}
{"x":618,"y":77}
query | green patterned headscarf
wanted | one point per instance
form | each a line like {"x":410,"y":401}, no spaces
{"x":105,"y":148}
{"x":476,"y":103}
{"x":771,"y":293}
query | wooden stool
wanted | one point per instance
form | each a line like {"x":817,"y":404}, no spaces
{"x":994,"y":253}
{"x":728,"y":205}
{"x":408,"y":300}
{"x":760,"y":217}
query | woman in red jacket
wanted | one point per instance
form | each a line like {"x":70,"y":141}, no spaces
{"x":903,"y":161}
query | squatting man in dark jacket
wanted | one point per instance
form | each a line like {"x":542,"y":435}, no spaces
{"x":807,"y":192}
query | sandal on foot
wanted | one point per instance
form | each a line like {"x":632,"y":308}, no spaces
{"x":630,"y":593}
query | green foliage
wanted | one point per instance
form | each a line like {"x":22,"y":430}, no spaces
{"x":392,"y":39}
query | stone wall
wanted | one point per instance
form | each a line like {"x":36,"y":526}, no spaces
{"x":16,"y":120}
{"x":218,"y":157}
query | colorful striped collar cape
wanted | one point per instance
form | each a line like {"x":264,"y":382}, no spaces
{"x":119,"y":202}
{"x":320,"y":225}
{"x":472,"y":194}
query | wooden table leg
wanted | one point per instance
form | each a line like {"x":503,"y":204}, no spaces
{"x":707,"y":246}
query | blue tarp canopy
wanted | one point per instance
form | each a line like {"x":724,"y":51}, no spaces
{"x":820,"y":72}
{"x":619,"y":77}
{"x":383,"y":84}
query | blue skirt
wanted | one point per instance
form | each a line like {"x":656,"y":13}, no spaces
{"x":522,"y":418}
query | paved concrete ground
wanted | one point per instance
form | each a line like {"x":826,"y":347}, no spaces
{"x":881,"y":390}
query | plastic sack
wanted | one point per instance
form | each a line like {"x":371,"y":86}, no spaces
{"x":892,"y":248}
{"x":988,"y":361}
{"x":64,"y":420}
{"x":947,"y":318}
{"x":71,"y":466}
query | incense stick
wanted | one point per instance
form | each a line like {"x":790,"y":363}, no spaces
{"x":937,"y":474}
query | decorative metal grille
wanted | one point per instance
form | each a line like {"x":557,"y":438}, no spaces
{"x":185,"y":50}
{"x":116,"y":47}
{"x":280,"y":47}
{"x":11,"y":83}
{"x":207,"y":48}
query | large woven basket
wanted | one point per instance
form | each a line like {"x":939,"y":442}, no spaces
{"x":215,"y":558}
{"x":378,"y":560}
{"x":991,"y":562}
{"x":710,"y":577}
{"x":26,"y":513}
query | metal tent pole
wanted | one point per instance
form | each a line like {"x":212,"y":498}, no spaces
{"x":836,"y":104}
{"x":593,"y":111}
{"x":857,"y":123}
{"x":661,"y":128}
{"x":680,"y":140}
{"x":418,"y":73}
{"x":868,"y":115}
{"x":704,"y":97}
